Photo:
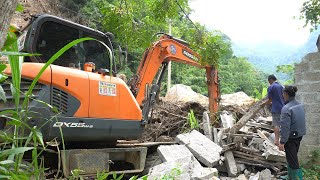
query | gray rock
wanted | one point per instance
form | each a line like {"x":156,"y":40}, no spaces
{"x":231,"y":164}
{"x":207,"y":126}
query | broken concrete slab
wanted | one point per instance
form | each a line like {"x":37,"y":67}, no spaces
{"x":187,"y":168}
{"x":215,"y":135}
{"x":173,"y":152}
{"x":201,"y":147}
{"x":227,"y":119}
{"x":178,"y":169}
{"x":256,"y":143}
{"x":204,"y":173}
{"x":272,"y":152}
{"x":264,"y":119}
{"x":207,"y":126}
{"x":231,"y":164}
{"x":245,"y":129}
{"x":265,"y":175}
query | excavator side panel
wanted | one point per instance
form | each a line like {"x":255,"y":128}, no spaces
{"x":104,"y":96}
{"x":98,"y":118}
{"x":68,"y":81}
{"x":129,"y":107}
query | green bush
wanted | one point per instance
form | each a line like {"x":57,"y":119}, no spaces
{"x":311,"y":168}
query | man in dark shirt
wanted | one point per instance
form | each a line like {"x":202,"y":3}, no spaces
{"x":277,"y":102}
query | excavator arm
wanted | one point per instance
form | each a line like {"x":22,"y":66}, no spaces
{"x":158,"y":55}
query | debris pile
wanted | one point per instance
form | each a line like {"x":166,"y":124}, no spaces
{"x":184,"y":161}
{"x":169,"y":119}
{"x":241,"y":149}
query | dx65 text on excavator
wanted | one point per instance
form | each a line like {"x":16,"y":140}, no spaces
{"x":95,"y":108}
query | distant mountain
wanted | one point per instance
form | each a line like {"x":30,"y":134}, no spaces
{"x":267,"y":55}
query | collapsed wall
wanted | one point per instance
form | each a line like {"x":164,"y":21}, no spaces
{"x":307,"y":80}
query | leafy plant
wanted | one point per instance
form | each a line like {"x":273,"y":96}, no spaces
{"x":102,"y":176}
{"x":259,"y":95}
{"x":76,"y":174}
{"x":192,"y":121}
{"x":19,"y":143}
{"x":116,"y":177}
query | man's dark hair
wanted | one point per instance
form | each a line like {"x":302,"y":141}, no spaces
{"x":272,"y":77}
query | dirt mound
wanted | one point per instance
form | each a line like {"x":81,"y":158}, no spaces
{"x":181,"y":94}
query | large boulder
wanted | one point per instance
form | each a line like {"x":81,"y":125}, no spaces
{"x":237,"y":103}
{"x":180,"y":93}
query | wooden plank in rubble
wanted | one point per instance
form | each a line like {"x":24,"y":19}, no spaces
{"x":249,"y":115}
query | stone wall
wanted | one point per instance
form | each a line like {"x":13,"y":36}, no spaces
{"x":307,"y":80}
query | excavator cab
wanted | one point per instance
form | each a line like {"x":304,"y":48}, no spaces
{"x":48,"y":34}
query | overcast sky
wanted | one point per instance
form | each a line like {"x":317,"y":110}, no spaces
{"x":253,"y":21}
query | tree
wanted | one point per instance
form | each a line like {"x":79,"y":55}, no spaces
{"x":7,"y":8}
{"x":237,"y":74}
{"x":288,"y":70}
{"x":310,"y":12}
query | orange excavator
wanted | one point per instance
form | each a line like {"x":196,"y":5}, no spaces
{"x":94,"y":105}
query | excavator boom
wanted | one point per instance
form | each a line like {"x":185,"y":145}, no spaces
{"x":159,"y":54}
{"x":162,"y":51}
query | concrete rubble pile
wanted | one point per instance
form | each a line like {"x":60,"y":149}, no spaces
{"x":242,"y":149}
{"x":194,"y":149}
